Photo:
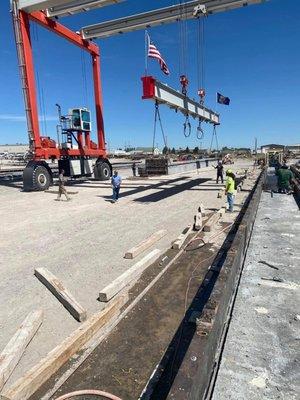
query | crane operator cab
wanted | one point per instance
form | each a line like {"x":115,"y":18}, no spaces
{"x":81,"y":119}
{"x":74,"y":134}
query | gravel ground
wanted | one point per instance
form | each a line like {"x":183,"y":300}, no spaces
{"x":83,"y":243}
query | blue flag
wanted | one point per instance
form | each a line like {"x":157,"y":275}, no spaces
{"x":222,"y":99}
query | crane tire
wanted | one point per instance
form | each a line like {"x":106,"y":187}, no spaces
{"x":36,"y":177}
{"x":103,"y":171}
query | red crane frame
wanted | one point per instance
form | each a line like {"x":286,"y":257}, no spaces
{"x":42,"y":147}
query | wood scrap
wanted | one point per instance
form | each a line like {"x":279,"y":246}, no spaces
{"x":132,"y":273}
{"x":201,"y":210}
{"x":198,"y":222}
{"x":208,"y":227}
{"x":24,"y":387}
{"x":145,"y":244}
{"x":181,"y":238}
{"x":61,"y":293}
{"x":13,"y":351}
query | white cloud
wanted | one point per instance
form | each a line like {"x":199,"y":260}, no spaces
{"x":22,"y":118}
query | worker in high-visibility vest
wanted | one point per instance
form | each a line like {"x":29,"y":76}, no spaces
{"x":230,"y":189}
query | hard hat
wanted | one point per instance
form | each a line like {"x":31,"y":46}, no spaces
{"x":229,"y":171}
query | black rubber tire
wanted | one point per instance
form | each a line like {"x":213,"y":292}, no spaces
{"x":103,"y":171}
{"x":36,"y":177}
{"x":41,"y":178}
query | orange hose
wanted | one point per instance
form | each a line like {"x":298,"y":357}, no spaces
{"x":88,"y":392}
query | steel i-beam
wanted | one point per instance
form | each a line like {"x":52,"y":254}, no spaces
{"x":163,"y":94}
{"x":63,"y":7}
{"x":188,"y":10}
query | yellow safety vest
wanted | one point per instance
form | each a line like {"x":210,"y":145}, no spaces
{"x":230,"y":185}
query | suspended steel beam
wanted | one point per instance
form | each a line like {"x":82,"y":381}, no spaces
{"x":163,"y":94}
{"x":73,"y":7}
{"x":63,"y":7}
{"x":188,"y":10}
{"x":37,"y":5}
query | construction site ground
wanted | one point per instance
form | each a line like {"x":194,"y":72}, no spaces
{"x":261,"y":355}
{"x":83,"y":243}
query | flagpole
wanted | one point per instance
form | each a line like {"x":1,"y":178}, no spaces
{"x":146,"y":51}
{"x":216,"y":102}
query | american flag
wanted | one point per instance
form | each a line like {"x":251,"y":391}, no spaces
{"x":154,"y":53}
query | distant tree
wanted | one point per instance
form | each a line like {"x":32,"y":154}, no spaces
{"x":173,"y":151}
{"x":196,"y":150}
{"x":187,"y":150}
{"x":165,"y":150}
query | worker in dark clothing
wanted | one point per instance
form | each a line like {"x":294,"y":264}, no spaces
{"x":61,"y":186}
{"x":219,"y":169}
{"x":284,"y":179}
{"x":133,"y":169}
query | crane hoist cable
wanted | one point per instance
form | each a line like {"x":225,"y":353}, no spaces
{"x":201,"y":58}
{"x":183,"y":41}
{"x":214,"y":136}
{"x":201,"y":66}
{"x":158,"y":118}
{"x":183,"y":47}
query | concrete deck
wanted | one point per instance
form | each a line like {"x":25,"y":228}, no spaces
{"x":261,"y":355}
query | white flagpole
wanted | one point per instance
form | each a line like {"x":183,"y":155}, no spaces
{"x":147,"y":41}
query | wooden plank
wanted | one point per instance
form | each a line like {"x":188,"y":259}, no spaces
{"x":13,"y":351}
{"x":198,"y":222}
{"x":61,"y":293}
{"x":212,"y":222}
{"x":222,"y":211}
{"x":181,"y":238}
{"x":99,"y":338}
{"x":24,"y":387}
{"x":145,"y":244}
{"x":132,"y":273}
{"x":201,"y":210}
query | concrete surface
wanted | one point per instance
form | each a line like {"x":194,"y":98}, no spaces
{"x":83,"y":243}
{"x":261,"y":357}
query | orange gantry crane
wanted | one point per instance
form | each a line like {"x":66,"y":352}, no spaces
{"x":76,"y":153}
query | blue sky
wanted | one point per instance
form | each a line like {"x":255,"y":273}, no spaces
{"x":251,"y":55}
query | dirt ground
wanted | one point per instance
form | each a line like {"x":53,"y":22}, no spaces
{"x":83,"y":243}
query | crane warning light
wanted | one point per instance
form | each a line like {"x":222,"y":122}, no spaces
{"x":148,"y":87}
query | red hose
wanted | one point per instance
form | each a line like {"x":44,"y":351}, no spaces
{"x":88,"y":392}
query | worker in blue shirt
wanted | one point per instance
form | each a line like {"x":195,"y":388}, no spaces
{"x":116,"y":181}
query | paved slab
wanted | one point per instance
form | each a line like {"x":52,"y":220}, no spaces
{"x":83,"y":242}
{"x":261,"y":357}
